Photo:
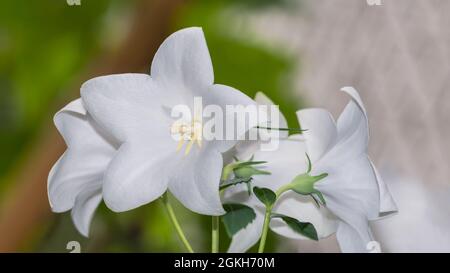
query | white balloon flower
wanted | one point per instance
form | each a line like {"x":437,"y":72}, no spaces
{"x":133,"y":108}
{"x":284,"y":163}
{"x":353,"y":190}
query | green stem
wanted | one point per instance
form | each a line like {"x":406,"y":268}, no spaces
{"x":262,"y":242}
{"x":215,"y":235}
{"x":173,"y":219}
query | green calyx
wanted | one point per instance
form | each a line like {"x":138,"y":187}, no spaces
{"x":243,"y":169}
{"x":243,"y":173}
{"x":248,"y":171}
{"x":304,"y":184}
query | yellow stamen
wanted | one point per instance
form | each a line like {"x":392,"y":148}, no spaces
{"x":180,"y":144}
{"x":189,"y":146}
{"x":191,"y":132}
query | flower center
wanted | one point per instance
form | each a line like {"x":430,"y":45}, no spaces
{"x":190,"y":132}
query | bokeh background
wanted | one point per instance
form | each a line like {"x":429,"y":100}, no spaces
{"x":299,"y":52}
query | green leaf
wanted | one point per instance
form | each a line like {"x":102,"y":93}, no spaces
{"x":265,"y":195}
{"x":304,"y":228}
{"x":234,"y":181}
{"x":238,"y":216}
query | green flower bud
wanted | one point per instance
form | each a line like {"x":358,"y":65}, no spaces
{"x":304,"y":183}
{"x":248,"y":171}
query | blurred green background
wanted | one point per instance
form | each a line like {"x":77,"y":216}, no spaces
{"x":48,"y":48}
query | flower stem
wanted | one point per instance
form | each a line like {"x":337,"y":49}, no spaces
{"x":262,"y":242}
{"x":215,"y":235}
{"x":173,"y":219}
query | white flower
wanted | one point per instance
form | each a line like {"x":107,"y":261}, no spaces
{"x":353,"y":190}
{"x":284,"y":164}
{"x":75,"y":181}
{"x":133,"y":108}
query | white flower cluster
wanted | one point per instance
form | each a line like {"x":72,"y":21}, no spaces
{"x":121,"y":149}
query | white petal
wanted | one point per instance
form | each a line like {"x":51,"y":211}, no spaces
{"x":129,"y":106}
{"x":223,"y":96}
{"x":137,"y":175}
{"x":351,"y":185}
{"x":351,"y":192}
{"x":248,"y":236}
{"x":353,"y":128}
{"x":85,"y":160}
{"x":85,"y":205}
{"x":352,"y":241}
{"x":195,"y":181}
{"x":245,"y":149}
{"x":353,"y":93}
{"x":321,"y":132}
{"x":387,"y":203}
{"x":183,"y":59}
{"x":285,"y":163}
{"x":304,"y":209}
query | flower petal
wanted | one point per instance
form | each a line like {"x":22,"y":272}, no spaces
{"x":248,"y":236}
{"x":85,"y":205}
{"x":304,"y":209}
{"x":85,"y":160}
{"x":387,"y":203}
{"x":246,"y":148}
{"x":183,"y":59}
{"x":128,"y":106}
{"x":137,"y":175}
{"x":196,"y":182}
{"x":352,"y":127}
{"x":352,"y":241}
{"x":351,"y":192}
{"x":223,"y":96}
{"x":352,"y":184}
{"x":321,"y":132}
{"x":285,"y":163}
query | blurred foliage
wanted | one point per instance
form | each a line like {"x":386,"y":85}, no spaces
{"x":43,"y":45}
{"x":46,"y":44}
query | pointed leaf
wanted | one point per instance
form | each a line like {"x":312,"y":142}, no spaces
{"x":238,"y":216}
{"x":304,"y":228}
{"x":265,"y":195}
